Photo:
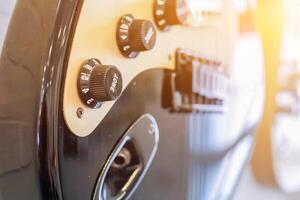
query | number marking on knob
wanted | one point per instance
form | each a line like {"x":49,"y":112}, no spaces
{"x":135,"y":36}
{"x":170,"y":12}
{"x":98,"y":83}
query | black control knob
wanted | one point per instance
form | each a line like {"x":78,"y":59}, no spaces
{"x":135,"y":36}
{"x":98,"y":83}
{"x":168,"y":13}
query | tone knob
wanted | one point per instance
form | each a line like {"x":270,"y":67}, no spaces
{"x":98,"y":83}
{"x":135,"y":36}
{"x":168,"y":13}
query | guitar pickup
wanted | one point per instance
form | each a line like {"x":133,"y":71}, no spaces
{"x":198,"y":84}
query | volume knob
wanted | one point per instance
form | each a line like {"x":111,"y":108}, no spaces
{"x":135,"y":36}
{"x":168,"y":13}
{"x":98,"y":83}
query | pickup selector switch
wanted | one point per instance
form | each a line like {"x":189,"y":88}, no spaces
{"x":98,"y":83}
{"x":168,"y":13}
{"x":135,"y":36}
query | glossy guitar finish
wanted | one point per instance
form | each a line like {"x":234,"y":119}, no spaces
{"x":96,"y":36}
{"x":31,"y":69}
{"x":199,"y":156}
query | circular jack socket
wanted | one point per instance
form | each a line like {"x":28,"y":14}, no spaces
{"x":123,"y":159}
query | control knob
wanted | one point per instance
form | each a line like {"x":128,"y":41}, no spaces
{"x":168,"y":13}
{"x":98,"y":83}
{"x":135,"y":36}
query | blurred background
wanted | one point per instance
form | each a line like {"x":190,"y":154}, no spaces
{"x":6,"y":9}
{"x":274,"y":170}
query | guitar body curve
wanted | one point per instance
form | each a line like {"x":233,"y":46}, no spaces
{"x":199,"y":155}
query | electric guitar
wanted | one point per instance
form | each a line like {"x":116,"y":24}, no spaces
{"x":125,"y":99}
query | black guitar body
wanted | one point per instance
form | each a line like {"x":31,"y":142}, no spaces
{"x":40,"y":158}
{"x":186,"y":165}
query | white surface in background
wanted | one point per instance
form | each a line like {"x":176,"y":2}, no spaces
{"x":6,"y":8}
{"x":244,"y":5}
{"x":248,"y":92}
{"x":286,"y":150}
{"x":250,"y":189}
